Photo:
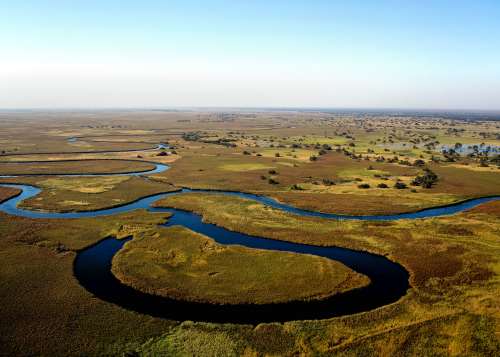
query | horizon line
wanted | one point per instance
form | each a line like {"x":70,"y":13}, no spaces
{"x":260,"y":108}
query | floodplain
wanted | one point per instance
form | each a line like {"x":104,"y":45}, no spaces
{"x":332,"y":162}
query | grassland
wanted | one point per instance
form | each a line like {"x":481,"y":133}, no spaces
{"x":65,"y":194}
{"x":454,"y":278}
{"x":188,"y":266}
{"x":48,"y":312}
{"x":8,"y":192}
{"x":74,"y":167}
{"x":452,"y":308}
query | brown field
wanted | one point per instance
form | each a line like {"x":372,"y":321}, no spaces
{"x":73,"y":167}
{"x":8,"y":192}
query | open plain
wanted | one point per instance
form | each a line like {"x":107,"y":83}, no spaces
{"x":102,"y":167}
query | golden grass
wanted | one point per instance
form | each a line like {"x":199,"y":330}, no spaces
{"x":84,"y":184}
{"x":245,"y":167}
{"x":73,"y":166}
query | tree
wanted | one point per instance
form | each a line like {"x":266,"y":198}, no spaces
{"x":426,"y":180}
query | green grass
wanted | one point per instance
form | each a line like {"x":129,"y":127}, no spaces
{"x":64,"y":194}
{"x":452,"y":308}
{"x":188,"y":266}
{"x":47,"y":311}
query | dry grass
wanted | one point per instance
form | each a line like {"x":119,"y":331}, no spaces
{"x":74,"y":167}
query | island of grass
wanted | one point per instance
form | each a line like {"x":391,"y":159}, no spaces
{"x":7,"y":193}
{"x":72,"y":194}
{"x":65,"y":167}
{"x":184,"y":265}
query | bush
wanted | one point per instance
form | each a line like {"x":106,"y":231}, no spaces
{"x":400,"y":185}
{"x":313,"y":158}
{"x":246,"y":153}
{"x":328,"y":182}
{"x":273,"y":172}
{"x":296,"y":187}
{"x":364,"y":185}
{"x":273,"y":181}
{"x":382,"y":185}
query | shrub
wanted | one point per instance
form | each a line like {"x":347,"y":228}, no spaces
{"x":364,"y":185}
{"x":273,"y":172}
{"x":382,"y":185}
{"x":313,"y":158}
{"x":272,"y":181}
{"x":419,"y":163}
{"x":328,"y":182}
{"x":400,"y":185}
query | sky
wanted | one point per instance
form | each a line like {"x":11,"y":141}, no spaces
{"x":338,"y":54}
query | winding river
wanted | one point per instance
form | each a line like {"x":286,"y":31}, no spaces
{"x":92,"y":266}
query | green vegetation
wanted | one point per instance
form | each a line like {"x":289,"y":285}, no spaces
{"x":188,"y":266}
{"x":88,"y":193}
{"x":454,"y":264}
{"x":41,"y":299}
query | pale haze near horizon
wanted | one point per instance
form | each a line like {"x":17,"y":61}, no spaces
{"x":380,"y":54}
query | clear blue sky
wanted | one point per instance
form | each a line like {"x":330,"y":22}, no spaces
{"x":406,"y":54}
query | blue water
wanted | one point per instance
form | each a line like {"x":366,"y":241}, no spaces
{"x":92,"y":267}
